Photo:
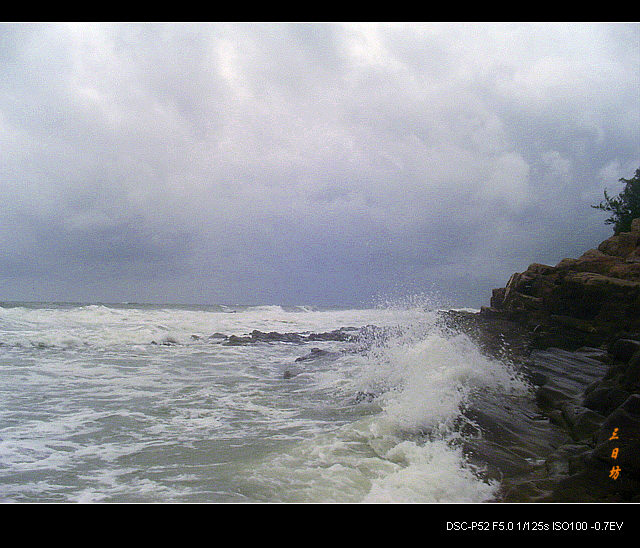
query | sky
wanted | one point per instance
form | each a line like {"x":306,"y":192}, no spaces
{"x":327,"y":164}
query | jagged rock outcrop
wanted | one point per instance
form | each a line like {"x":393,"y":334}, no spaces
{"x":574,"y":328}
{"x":344,"y":334}
{"x":589,"y":301}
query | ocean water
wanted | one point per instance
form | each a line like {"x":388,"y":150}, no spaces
{"x":141,"y":403}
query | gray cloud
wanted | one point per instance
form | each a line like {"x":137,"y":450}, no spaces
{"x":306,"y":163}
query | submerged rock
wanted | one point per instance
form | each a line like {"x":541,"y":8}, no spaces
{"x":364,"y":396}
{"x":167,"y":341}
{"x":344,"y":334}
{"x":274,"y":336}
{"x":317,"y":353}
{"x":234,"y":340}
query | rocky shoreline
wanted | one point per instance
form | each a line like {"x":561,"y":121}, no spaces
{"x":574,"y":330}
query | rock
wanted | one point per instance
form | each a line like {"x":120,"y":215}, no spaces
{"x":582,"y":422}
{"x":616,"y":444}
{"x":615,"y":372}
{"x":364,"y":396}
{"x":605,"y":398}
{"x":624,"y":349}
{"x":562,"y":461}
{"x":621,"y":431}
{"x":621,"y":245}
{"x":550,"y":398}
{"x":495,"y":335}
{"x":588,"y":301}
{"x":317,"y":353}
{"x":626,"y":418}
{"x":234,"y":340}
{"x":537,"y":379}
{"x":581,"y":322}
{"x":342,"y":334}
{"x":631,"y":375}
{"x":593,"y":485}
{"x":274,"y":336}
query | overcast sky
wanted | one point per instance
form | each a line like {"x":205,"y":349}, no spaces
{"x":327,"y":164}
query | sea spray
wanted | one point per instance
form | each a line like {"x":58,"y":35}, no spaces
{"x":406,"y":446}
{"x":429,"y":378}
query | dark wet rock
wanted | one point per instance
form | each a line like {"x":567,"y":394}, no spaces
{"x":584,"y":390}
{"x":581,"y":422}
{"x":582,"y":394}
{"x":343,"y":334}
{"x":624,"y":349}
{"x":529,"y":491}
{"x":317,"y":353}
{"x":626,"y":419}
{"x":167,"y":341}
{"x":196,"y":337}
{"x":630,"y":377}
{"x":616,"y":447}
{"x":234,"y":340}
{"x":599,"y":354}
{"x":550,"y":398}
{"x":608,"y":438}
{"x":496,"y":336}
{"x":562,"y":460}
{"x":497,"y":460}
{"x":605,"y":397}
{"x":567,"y":373}
{"x":365,"y":396}
{"x":585,"y":425}
{"x":274,"y":336}
{"x":615,"y":371}
{"x":536,"y":378}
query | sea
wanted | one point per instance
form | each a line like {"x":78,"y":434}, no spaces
{"x":140,"y":403}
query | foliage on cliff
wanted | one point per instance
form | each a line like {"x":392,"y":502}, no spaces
{"x":625,"y":207}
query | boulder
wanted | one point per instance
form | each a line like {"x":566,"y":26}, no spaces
{"x":631,"y":375}
{"x":624,"y":349}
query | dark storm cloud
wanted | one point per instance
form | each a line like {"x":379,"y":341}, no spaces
{"x":301,"y":163}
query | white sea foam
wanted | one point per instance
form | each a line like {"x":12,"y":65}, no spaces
{"x":106,"y":326}
{"x":427,"y":379}
{"x":89,"y":397}
{"x":406,"y":448}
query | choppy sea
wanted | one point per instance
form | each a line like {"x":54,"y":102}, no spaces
{"x":131,"y":403}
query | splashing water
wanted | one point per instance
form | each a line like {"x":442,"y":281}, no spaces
{"x":128,"y":403}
